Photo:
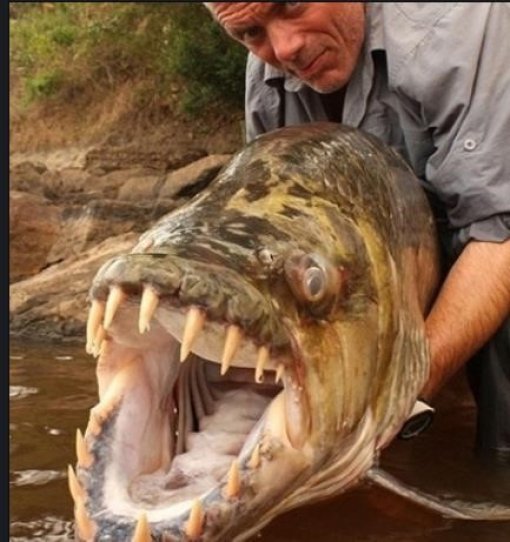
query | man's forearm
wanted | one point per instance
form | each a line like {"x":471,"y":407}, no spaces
{"x":472,"y":303}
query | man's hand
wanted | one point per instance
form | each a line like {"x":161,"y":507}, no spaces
{"x":472,"y":303}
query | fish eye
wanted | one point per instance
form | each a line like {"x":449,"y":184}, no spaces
{"x":313,"y":279}
{"x":314,"y":283}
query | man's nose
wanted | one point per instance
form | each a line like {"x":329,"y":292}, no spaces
{"x":285,"y":41}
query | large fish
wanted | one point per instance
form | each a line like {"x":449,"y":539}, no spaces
{"x":260,"y":345}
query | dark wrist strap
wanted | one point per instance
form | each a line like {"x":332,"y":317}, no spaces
{"x":420,"y":419}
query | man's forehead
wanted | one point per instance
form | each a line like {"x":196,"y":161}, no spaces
{"x":231,"y":13}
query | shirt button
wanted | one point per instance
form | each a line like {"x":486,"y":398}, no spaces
{"x":469,"y":144}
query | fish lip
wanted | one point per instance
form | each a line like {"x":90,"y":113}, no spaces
{"x":287,"y":353}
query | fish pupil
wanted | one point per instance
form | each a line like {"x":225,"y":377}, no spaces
{"x":314,"y":282}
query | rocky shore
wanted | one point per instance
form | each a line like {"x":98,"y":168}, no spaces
{"x":72,"y":210}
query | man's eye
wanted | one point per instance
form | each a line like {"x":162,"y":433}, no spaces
{"x":250,"y":34}
{"x":290,"y":7}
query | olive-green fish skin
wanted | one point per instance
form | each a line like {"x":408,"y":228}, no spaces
{"x":319,"y":243}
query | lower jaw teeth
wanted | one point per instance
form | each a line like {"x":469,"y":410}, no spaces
{"x":284,"y":417}
{"x":296,"y":415}
{"x":274,"y":424}
{"x":287,"y":418}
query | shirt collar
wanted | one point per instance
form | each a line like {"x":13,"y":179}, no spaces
{"x":273,"y":77}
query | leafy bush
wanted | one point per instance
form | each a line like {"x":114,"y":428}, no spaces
{"x":59,"y":48}
{"x":204,"y":56}
{"x":42,"y":85}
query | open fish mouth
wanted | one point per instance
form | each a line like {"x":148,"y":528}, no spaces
{"x":259,"y":345}
{"x":195,"y":403}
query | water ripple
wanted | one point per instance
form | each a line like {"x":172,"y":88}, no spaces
{"x":34,"y":477}
{"x":20,"y":392}
{"x":49,"y":529}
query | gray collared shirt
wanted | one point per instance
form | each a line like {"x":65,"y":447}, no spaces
{"x":434,"y":82}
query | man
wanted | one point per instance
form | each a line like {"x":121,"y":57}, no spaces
{"x":433,"y":81}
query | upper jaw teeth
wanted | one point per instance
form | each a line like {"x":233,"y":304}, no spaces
{"x":232,"y":343}
{"x":194,"y":324}
{"x":207,"y":339}
{"x":229,"y":348}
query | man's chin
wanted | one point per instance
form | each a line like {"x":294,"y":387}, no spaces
{"x":324,"y":86}
{"x":325,"y":81}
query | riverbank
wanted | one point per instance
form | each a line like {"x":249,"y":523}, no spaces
{"x":72,"y":208}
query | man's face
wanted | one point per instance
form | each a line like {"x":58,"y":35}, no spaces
{"x":318,"y":42}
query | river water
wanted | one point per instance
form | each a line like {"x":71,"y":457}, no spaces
{"x":53,"y":387}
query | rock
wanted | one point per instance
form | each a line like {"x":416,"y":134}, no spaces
{"x":53,"y":304}
{"x":111,"y":183}
{"x":59,"y":185}
{"x":194,"y":177}
{"x":141,"y":189}
{"x":56,"y":159}
{"x":34,"y":226}
{"x":113,"y":158}
{"x":106,"y":199}
{"x":27,"y":177}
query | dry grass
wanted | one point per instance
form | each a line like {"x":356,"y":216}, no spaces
{"x":115,"y":117}
{"x":79,"y":122}
{"x":83,"y":73}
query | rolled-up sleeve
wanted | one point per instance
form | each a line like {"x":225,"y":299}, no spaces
{"x":460,"y":76}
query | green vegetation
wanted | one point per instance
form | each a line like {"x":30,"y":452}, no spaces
{"x":63,"y":50}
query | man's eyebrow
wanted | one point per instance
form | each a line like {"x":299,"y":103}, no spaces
{"x":270,"y":9}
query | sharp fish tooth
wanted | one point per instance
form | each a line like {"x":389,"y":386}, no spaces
{"x":194,"y":324}
{"x":279,"y":373}
{"x":82,"y":453}
{"x":93,"y":427}
{"x":148,"y":306}
{"x":296,"y":415}
{"x":75,"y":488}
{"x":234,"y":481}
{"x":195,"y":523}
{"x":142,"y":530}
{"x":254,"y":461}
{"x":85,"y":527}
{"x":112,"y":395}
{"x":95,"y":316}
{"x":262,"y":357}
{"x":232,"y":342}
{"x":98,"y":341}
{"x":115,"y":298}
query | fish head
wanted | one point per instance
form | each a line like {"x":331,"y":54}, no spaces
{"x":250,"y":349}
